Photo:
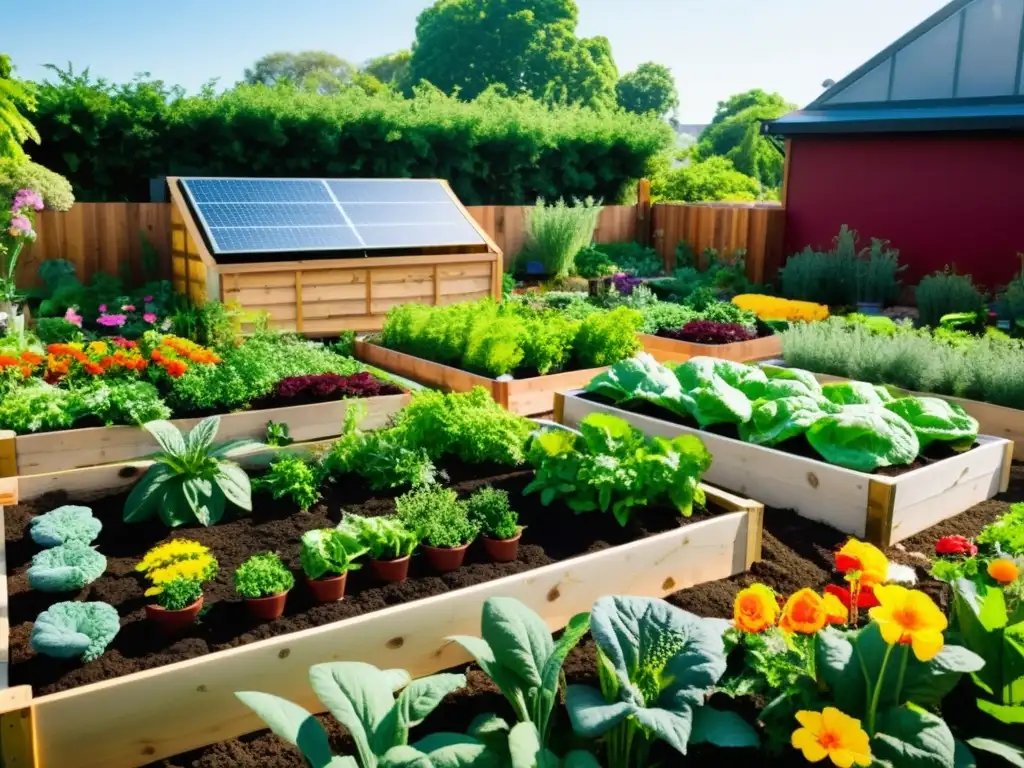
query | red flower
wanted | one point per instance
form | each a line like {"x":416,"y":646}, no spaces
{"x":955,"y":545}
{"x":866,"y":599}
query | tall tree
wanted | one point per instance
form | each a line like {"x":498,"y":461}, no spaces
{"x":649,"y":88}
{"x":755,"y":97}
{"x":313,"y":70}
{"x":391,"y":68}
{"x":528,"y":46}
{"x":15,"y":99}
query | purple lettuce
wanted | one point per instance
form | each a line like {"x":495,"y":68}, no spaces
{"x":710,"y":332}
{"x":332,"y":386}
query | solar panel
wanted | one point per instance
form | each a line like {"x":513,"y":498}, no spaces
{"x":284,"y":215}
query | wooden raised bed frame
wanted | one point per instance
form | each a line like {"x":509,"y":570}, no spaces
{"x":666,"y":350}
{"x":150,"y":715}
{"x":49,"y":452}
{"x":883,"y":510}
{"x":324,"y":296}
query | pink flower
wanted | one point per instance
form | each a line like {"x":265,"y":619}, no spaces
{"x":73,"y":317}
{"x":149,"y":317}
{"x":147,"y":299}
{"x":127,"y":307}
{"x":21,"y":227}
{"x":121,"y":341}
{"x":103,"y":307}
{"x":27,"y":198}
{"x":112,"y":321}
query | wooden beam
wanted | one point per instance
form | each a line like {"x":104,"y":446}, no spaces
{"x":372,"y":262}
{"x":178,"y":201}
{"x":298,"y":301}
{"x":643,"y":212}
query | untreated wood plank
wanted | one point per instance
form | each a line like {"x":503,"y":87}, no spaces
{"x":673,"y":350}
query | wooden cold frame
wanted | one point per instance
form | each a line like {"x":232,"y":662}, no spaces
{"x":150,"y":715}
{"x":666,"y":350}
{"x":880,"y":509}
{"x":320,"y":297}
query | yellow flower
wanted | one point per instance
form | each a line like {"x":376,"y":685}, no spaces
{"x":836,"y":612}
{"x":97,"y":348}
{"x":774,"y":308}
{"x":197,"y":569}
{"x":170,"y":552}
{"x":907,"y":616}
{"x":804,"y":613}
{"x":1004,"y":571}
{"x":832,"y":734}
{"x":864,"y":559}
{"x":755,"y":609}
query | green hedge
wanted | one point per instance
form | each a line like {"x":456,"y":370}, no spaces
{"x":110,"y":140}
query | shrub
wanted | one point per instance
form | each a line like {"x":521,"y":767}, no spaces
{"x":176,"y":571}
{"x":385,"y":537}
{"x":490,"y":512}
{"x":666,"y":315}
{"x":262,"y":576}
{"x":66,"y":630}
{"x":63,"y":525}
{"x":556,"y":233}
{"x":945,"y":293}
{"x":634,"y":258}
{"x":594,"y":263}
{"x":437,"y":516}
{"x":37,"y":407}
{"x":710,"y":332}
{"x":57,"y":330}
{"x":328,"y":552}
{"x":291,"y":476}
{"x":18,"y":174}
{"x":125,"y":402}
{"x":607,"y":338}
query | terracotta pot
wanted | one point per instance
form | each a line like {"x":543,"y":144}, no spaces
{"x":329,"y":589}
{"x":391,"y":571}
{"x":170,"y":622}
{"x":502,"y":550}
{"x":445,"y":559}
{"x":266,"y":608}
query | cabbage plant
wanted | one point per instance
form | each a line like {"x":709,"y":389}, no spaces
{"x":63,"y":525}
{"x":66,"y":568}
{"x":66,"y":630}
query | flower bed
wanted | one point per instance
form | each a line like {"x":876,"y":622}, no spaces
{"x":875,"y":481}
{"x":561,"y":569}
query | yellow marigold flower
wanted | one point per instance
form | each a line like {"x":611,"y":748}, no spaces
{"x":865,"y":559}
{"x":198,"y":569}
{"x":755,"y":609}
{"x":804,"y":613}
{"x":774,"y":308}
{"x":907,"y":616}
{"x":832,"y":734}
{"x":170,"y":552}
{"x":1004,"y":571}
{"x":97,"y":348}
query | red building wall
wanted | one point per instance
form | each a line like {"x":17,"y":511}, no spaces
{"x":939,"y":198}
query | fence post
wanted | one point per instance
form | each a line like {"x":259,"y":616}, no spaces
{"x":643,"y":212}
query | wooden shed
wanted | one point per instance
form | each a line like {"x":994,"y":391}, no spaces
{"x":325,"y":255}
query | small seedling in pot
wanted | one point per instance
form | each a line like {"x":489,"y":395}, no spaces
{"x":327,"y":556}
{"x":177,"y":571}
{"x":388,"y":540}
{"x":264,"y":582}
{"x":442,"y":522}
{"x":490,"y":511}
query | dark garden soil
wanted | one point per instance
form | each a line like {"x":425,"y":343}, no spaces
{"x":797,"y":446}
{"x":796,"y":553}
{"x":552,"y":534}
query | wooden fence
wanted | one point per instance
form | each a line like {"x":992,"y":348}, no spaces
{"x":113,"y":237}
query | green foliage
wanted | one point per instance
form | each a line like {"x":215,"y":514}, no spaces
{"x":63,"y":525}
{"x":213,"y":324}
{"x":612,"y":467}
{"x":65,"y":568}
{"x":67,"y":630}
{"x":391,"y":69}
{"x":634,"y":258}
{"x":16,"y":99}
{"x":18,"y":174}
{"x":385,"y":537}
{"x":36,"y":407}
{"x":437,"y":515}
{"x":190,"y":479}
{"x":606,"y":338}
{"x":179,"y":593}
{"x":330,"y":551}
{"x":656,"y":666}
{"x":346,"y":344}
{"x":709,"y":180}
{"x":293,"y":477}
{"x":56,"y":330}
{"x":987,"y":369}
{"x":593,"y":263}
{"x":278,"y":434}
{"x":666,"y":315}
{"x":556,"y":233}
{"x":843,"y":275}
{"x":649,"y":88}
{"x":945,"y":293}
{"x":934,"y":419}
{"x":534,"y":53}
{"x":863,"y":438}
{"x":304,"y":69}
{"x":517,"y":652}
{"x":1007,"y":533}
{"x":110,"y":139}
{"x":120,"y":402}
{"x":490,"y":512}
{"x":362,"y":698}
{"x":263,"y":575}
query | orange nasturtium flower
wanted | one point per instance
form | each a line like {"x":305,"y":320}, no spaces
{"x":857,"y":557}
{"x":804,"y":613}
{"x":833,"y":734}
{"x":1004,"y":571}
{"x":835,"y":611}
{"x":909,"y":617}
{"x":755,"y":609}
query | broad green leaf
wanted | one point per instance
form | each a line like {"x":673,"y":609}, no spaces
{"x":202,"y":435}
{"x":235,"y":448}
{"x":909,"y":737}
{"x":590,"y":714}
{"x":524,"y":746}
{"x":199,"y":493}
{"x":806,"y":378}
{"x":147,"y":495}
{"x":840,"y":669}
{"x":510,"y":684}
{"x":519,"y":638}
{"x":722,"y":728}
{"x":962,"y":756}
{"x":454,"y":750}
{"x":864,"y":438}
{"x":577,"y":627}
{"x":935,"y":420}
{"x":358,"y":695}
{"x":579,"y":758}
{"x":773,"y":421}
{"x":174,"y":509}
{"x":852,"y":393}
{"x":404,"y":757}
{"x":167,"y":436}
{"x":1005,"y":713}
{"x":980,"y":614}
{"x":926,"y":684}
{"x":639,"y":379}
{"x":490,"y":729}
{"x":395,"y":679}
{"x":673,"y":728}
{"x":1011,"y":754}
{"x":293,"y":724}
{"x":234,"y":482}
{"x":422,"y":696}
{"x":708,"y":396}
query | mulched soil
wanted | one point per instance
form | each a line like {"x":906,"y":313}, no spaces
{"x":796,"y":553}
{"x":552,"y":534}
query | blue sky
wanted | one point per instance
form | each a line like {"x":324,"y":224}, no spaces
{"x":714,"y":47}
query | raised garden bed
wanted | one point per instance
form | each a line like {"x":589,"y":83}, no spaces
{"x":665,"y":349}
{"x":884,"y":509}
{"x":147,"y":698}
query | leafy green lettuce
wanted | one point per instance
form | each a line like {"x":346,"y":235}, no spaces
{"x":935,"y":419}
{"x":774,"y":421}
{"x":864,"y":438}
{"x":719,"y":391}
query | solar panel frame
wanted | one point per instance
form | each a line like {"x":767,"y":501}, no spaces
{"x":468,"y":235}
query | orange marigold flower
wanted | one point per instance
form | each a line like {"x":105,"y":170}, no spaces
{"x":755,"y":609}
{"x":93,"y":368}
{"x":804,"y":613}
{"x":59,"y":349}
{"x":1004,"y":571}
{"x":7,"y":361}
{"x":31,"y":357}
{"x":175,"y":368}
{"x":26,"y":371}
{"x":156,"y":355}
